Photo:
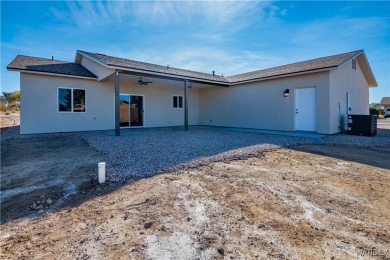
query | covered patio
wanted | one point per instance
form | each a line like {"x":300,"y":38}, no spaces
{"x":123,"y":71}
{"x":125,"y":76}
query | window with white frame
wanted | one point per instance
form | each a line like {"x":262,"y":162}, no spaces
{"x":71,"y":100}
{"x":178,"y":101}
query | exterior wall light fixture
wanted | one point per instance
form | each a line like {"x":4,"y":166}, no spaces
{"x":286,"y":92}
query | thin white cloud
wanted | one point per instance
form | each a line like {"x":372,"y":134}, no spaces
{"x":216,"y":13}
{"x":93,"y":15}
{"x":338,"y":28}
{"x":210,"y":15}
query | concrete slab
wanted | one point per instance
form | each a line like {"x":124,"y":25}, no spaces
{"x":270,"y":132}
{"x":153,"y":130}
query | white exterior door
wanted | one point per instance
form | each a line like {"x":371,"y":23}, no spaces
{"x":305,"y":109}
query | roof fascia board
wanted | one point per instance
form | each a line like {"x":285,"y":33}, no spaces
{"x":50,"y":74}
{"x":370,"y":71}
{"x":77,"y":58}
{"x":93,"y":58}
{"x":284,"y":75}
{"x":169,"y":76}
{"x":350,"y":58}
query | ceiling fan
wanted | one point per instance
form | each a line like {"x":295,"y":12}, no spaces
{"x":141,"y":82}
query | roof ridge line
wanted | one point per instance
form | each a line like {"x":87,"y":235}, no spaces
{"x":289,"y":64}
{"x":148,"y":63}
{"x":35,"y":57}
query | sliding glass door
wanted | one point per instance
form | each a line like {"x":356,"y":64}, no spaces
{"x":131,"y":110}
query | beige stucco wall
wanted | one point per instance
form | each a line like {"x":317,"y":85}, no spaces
{"x":343,"y":80}
{"x":39,"y":108}
{"x":261,"y":105}
{"x":158,"y":104}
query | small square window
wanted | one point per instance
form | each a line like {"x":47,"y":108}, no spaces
{"x":71,"y":100}
{"x":178,"y":101}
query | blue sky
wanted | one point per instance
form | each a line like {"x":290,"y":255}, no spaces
{"x":228,"y":37}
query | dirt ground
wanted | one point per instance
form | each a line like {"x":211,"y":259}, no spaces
{"x":313,"y":202}
{"x":9,"y":118}
{"x":41,"y":168}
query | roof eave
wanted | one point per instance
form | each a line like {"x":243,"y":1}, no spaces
{"x":49,"y":73}
{"x":366,"y":69}
{"x":283,"y":75}
{"x":77,"y":59}
{"x":169,"y":75}
{"x":350,"y":58}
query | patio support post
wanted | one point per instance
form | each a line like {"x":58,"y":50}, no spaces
{"x":186,"y":105}
{"x":117,"y":116}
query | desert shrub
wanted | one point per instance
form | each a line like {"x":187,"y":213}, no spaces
{"x":3,"y":108}
{"x":12,"y":97}
{"x":375,"y":111}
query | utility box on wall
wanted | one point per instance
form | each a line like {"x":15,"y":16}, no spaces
{"x":362,"y":125}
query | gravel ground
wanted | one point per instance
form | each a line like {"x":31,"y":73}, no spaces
{"x":148,"y":152}
{"x":286,"y":204}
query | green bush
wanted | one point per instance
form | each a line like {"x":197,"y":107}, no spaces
{"x":376,"y":112}
{"x":12,"y":97}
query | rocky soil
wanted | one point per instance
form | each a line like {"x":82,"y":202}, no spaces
{"x":281,"y":204}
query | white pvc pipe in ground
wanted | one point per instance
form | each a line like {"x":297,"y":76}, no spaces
{"x":102,"y":172}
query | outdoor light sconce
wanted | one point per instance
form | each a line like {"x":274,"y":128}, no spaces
{"x":286,"y":93}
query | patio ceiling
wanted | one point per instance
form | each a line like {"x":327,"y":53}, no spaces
{"x":132,"y":80}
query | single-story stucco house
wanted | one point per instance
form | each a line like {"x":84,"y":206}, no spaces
{"x":100,"y":92}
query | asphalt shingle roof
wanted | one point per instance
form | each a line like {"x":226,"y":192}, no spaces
{"x":132,"y":64}
{"x":68,"y":68}
{"x":29,"y":63}
{"x":304,"y":66}
{"x":385,"y":101}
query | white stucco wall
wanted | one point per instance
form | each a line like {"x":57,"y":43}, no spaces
{"x":261,"y":105}
{"x":342,"y":80}
{"x":158,"y":104}
{"x":39,"y":105}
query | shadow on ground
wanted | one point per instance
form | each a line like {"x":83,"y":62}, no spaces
{"x":374,"y":157}
{"x":39,"y":169}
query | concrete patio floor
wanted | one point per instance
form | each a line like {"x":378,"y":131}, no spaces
{"x":152,"y":130}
